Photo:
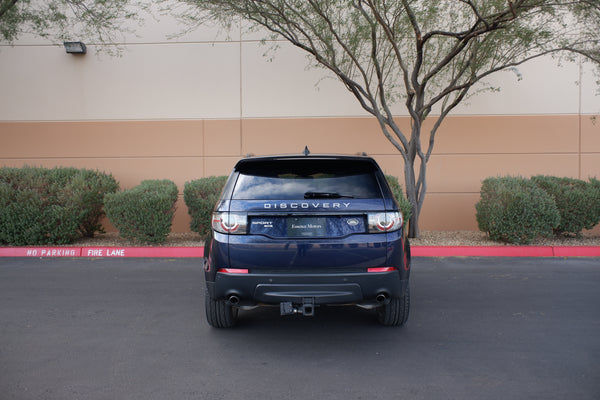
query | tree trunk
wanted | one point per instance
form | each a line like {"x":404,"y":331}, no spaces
{"x":413,"y":226}
{"x":412,"y":195}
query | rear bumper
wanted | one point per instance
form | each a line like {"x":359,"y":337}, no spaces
{"x":339,"y":288}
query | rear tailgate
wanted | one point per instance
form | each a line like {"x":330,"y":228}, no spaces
{"x":307,"y":236}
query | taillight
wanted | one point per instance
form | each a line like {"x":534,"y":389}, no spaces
{"x":233,"y":271}
{"x":232,"y":223}
{"x":384,"y":221}
{"x":381,"y":269}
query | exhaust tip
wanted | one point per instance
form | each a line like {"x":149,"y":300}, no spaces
{"x":233,"y":300}
{"x":382,"y":297}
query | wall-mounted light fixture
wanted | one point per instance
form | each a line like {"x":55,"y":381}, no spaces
{"x":75,"y":47}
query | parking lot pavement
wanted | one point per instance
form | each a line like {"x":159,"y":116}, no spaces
{"x":480,"y":328}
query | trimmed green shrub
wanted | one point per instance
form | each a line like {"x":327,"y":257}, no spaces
{"x":50,"y":206}
{"x":143,"y":213}
{"x":403,"y":202}
{"x":577,"y":202}
{"x":27,"y":217}
{"x":201,"y":196}
{"x":88,"y":188}
{"x":594,"y":186}
{"x":515,"y":210}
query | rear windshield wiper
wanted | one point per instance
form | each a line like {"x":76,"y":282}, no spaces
{"x":325,"y":195}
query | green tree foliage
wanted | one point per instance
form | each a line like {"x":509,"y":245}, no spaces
{"x":428,"y":55}
{"x":96,"y":20}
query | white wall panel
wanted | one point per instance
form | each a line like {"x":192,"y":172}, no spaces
{"x":146,"y":82}
{"x":545,"y":88}
{"x":40,"y":83}
{"x":204,"y":75}
{"x":590,"y":92}
{"x":284,"y":87}
{"x":160,"y":28}
{"x":166,"y":81}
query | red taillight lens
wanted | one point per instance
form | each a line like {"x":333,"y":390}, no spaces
{"x":233,"y":271}
{"x":384,"y":221}
{"x":381,"y":269}
{"x":233,"y":223}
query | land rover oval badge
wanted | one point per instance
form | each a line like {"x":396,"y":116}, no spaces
{"x":352,"y":221}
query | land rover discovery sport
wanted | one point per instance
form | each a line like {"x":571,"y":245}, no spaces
{"x":299,"y":232}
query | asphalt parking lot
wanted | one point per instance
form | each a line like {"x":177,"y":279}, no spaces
{"x":480,"y":328}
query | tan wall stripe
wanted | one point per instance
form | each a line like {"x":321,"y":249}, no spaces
{"x":468,"y":150}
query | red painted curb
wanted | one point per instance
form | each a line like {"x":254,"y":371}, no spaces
{"x":480,"y":251}
{"x":115,"y":252}
{"x":40,"y":251}
{"x":142,"y":252}
{"x":577,"y":251}
{"x":503,"y":251}
{"x":198,"y":252}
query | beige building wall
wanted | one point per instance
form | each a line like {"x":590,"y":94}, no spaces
{"x":188,"y":108}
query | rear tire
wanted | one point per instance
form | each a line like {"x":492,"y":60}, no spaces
{"x":395,"y":313}
{"x":219,"y":313}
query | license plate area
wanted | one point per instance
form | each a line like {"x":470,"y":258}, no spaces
{"x":306,"y":226}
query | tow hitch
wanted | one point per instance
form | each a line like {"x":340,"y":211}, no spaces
{"x":307,"y":308}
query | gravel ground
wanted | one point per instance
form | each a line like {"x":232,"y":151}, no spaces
{"x":428,"y":238}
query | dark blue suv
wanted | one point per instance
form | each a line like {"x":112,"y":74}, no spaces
{"x":302,"y":231}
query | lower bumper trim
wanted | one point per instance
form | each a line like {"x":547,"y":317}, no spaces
{"x":349,"y":288}
{"x":323,"y":294}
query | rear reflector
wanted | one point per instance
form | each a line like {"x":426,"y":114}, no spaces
{"x":381,"y":269}
{"x":233,"y":271}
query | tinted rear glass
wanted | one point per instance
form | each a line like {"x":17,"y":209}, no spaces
{"x":299,"y":179}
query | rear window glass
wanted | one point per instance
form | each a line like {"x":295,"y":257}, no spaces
{"x":306,"y":179}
